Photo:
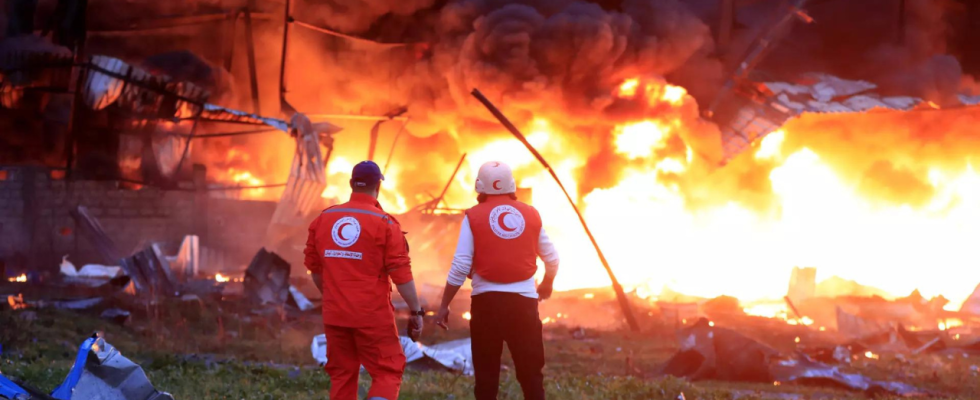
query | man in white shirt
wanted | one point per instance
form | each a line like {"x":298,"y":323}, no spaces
{"x":499,"y":243}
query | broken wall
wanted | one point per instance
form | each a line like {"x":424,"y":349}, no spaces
{"x":36,"y":228}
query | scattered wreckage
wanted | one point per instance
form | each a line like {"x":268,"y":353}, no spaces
{"x":455,"y":355}
{"x":99,"y":372}
{"x":708,"y":352}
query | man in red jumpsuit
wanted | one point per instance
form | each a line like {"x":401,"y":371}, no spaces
{"x":500,"y":241}
{"x":355,"y":251}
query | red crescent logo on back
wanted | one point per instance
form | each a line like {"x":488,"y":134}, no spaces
{"x":346,"y":231}
{"x":340,"y":231}
{"x":495,"y":184}
{"x":503,"y":225}
{"x":506,"y":222}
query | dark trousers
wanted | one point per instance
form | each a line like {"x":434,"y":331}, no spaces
{"x":499,"y":317}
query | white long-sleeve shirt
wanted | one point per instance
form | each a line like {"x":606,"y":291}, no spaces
{"x":463,"y":264}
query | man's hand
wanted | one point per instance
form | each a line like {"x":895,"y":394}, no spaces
{"x":442,"y":318}
{"x":544,"y":290}
{"x":415,"y":327}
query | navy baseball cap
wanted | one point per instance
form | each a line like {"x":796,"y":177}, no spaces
{"x":366,"y":173}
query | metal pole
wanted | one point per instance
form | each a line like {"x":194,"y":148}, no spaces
{"x":250,"y":48}
{"x":451,"y":178}
{"x":282,"y":61}
{"x":394,"y":143}
{"x":374,"y":139}
{"x":620,"y":295}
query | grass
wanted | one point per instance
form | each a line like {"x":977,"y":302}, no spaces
{"x":242,"y":356}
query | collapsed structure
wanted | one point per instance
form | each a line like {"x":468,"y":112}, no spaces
{"x":121,"y":185}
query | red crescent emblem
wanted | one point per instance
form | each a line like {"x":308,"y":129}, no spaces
{"x":340,"y":231}
{"x":500,"y":221}
{"x":496,"y":164}
{"x":495,"y":184}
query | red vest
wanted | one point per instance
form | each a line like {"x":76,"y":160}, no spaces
{"x":505,"y":239}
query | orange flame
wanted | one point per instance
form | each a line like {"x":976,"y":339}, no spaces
{"x":20,"y":278}
{"x":668,"y":218}
{"x":221,"y":278}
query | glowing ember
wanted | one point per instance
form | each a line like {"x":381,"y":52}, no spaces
{"x":16,"y":302}
{"x":546,"y":320}
{"x":805,"y":321}
{"x":589,"y":296}
{"x":467,"y":316}
{"x":221,"y":278}
{"x":870,"y":355}
{"x":767,"y":310}
{"x":797,"y":340}
{"x":950,"y":324}
{"x":19,"y":278}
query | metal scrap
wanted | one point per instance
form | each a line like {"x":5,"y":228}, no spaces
{"x":755,"y":109}
{"x":100,"y":372}
{"x":267,"y":279}
{"x":93,"y":231}
{"x":455,"y":355}
{"x":150,"y":273}
{"x":709,"y":352}
{"x":306,"y":182}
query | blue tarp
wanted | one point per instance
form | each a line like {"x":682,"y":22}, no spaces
{"x":99,"y":372}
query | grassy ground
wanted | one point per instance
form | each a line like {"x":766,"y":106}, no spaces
{"x":265,"y":358}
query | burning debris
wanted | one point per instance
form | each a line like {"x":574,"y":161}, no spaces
{"x":853,"y":155}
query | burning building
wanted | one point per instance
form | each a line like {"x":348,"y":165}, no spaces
{"x":712,"y":145}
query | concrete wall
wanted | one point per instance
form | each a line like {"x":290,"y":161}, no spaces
{"x":36,"y":228}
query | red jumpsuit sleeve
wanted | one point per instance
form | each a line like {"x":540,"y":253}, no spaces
{"x":313,"y":261}
{"x":397,"y":263}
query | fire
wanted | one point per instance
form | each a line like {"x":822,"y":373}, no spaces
{"x":871,"y":356}
{"x":639,"y":140}
{"x":20,"y":278}
{"x":857,"y":196}
{"x":769,"y":146}
{"x":628,"y":88}
{"x":221,"y":278}
{"x":950,"y":324}
{"x":655,"y":92}
{"x":16,"y":302}
{"x":673,"y":94}
{"x":589,"y":295}
{"x":467,"y":316}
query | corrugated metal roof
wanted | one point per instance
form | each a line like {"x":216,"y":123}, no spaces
{"x":747,"y":120}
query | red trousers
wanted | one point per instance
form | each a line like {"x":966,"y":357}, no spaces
{"x":378,"y":349}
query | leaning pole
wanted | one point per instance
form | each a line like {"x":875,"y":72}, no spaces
{"x":620,"y":295}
